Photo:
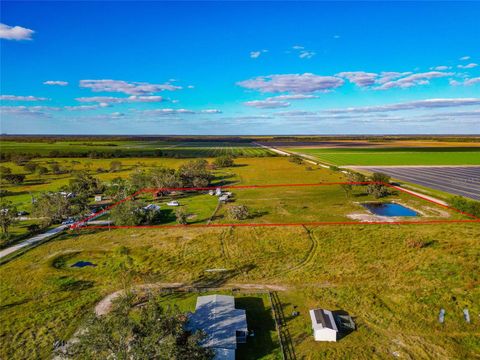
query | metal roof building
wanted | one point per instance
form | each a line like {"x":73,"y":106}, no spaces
{"x":223,"y":325}
{"x":323,"y":325}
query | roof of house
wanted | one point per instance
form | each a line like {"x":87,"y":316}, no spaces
{"x":322,"y":319}
{"x":217,"y":317}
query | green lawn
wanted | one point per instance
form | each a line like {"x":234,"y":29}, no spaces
{"x":394,"y":156}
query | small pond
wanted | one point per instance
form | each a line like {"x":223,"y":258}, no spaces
{"x":389,"y":209}
{"x":81,"y":264}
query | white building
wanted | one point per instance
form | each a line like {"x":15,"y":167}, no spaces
{"x":224,"y":326}
{"x":323,"y":325}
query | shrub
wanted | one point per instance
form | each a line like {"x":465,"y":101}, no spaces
{"x":238,"y":212}
{"x":223,"y":161}
{"x":295,"y":159}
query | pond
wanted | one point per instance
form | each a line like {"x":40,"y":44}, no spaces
{"x":389,"y":209}
{"x":81,"y":264}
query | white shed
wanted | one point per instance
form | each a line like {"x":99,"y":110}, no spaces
{"x":323,"y":325}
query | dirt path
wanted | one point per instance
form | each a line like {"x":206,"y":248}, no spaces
{"x":310,"y":256}
{"x":104,"y":306}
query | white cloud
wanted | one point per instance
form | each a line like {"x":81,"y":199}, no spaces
{"x":464,"y":58}
{"x":15,"y":32}
{"x":211,"y":111}
{"x":21,"y":98}
{"x":165,"y":112}
{"x":305,"y":54}
{"x":468,"y":66}
{"x":267,"y":104}
{"x":467,"y":81}
{"x":292,"y":97}
{"x":413,"y":80}
{"x":298,"y":47}
{"x":411,"y":105}
{"x":119,"y":100}
{"x":295,"y":113}
{"x":359,"y":78}
{"x":129,"y":88}
{"x":55,"y":82}
{"x":29,"y":111}
{"x":256,"y":54}
{"x":295,"y":83}
{"x":441,"y":68}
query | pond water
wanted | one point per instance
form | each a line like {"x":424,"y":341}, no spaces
{"x":389,"y":209}
{"x":82,"y":264}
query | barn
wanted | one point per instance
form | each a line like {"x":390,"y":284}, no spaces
{"x":323,"y":325}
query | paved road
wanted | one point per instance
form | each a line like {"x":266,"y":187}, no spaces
{"x":44,"y":236}
{"x":458,"y":180}
{"x":32,"y":240}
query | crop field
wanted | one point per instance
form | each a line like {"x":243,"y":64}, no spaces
{"x":136,"y":148}
{"x":378,"y":156}
{"x":463,"y":181}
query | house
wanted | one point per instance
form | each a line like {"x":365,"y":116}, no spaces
{"x":323,"y":325}
{"x":223,"y":325}
{"x":218,"y":191}
{"x":98,"y":198}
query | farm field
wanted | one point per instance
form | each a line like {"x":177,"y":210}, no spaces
{"x":463,"y":181}
{"x":98,"y":149}
{"x":378,"y":156}
{"x":379,"y":274}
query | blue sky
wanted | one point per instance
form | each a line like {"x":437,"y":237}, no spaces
{"x":240,"y":67}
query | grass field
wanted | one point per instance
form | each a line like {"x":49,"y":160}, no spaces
{"x":394,"y":156}
{"x":394,"y":290}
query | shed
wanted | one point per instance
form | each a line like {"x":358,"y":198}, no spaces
{"x":98,"y":198}
{"x":224,"y":326}
{"x":323,"y":325}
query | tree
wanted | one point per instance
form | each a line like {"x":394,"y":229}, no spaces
{"x":5,"y":170}
{"x":378,"y":188}
{"x":115,"y":166}
{"x":129,"y":213}
{"x":195,"y":174}
{"x":129,"y":332}
{"x":295,"y":159}
{"x":42,"y":170}
{"x":84,"y":184}
{"x":54,"y":207}
{"x":223,"y":161}
{"x":14,"y":178}
{"x":119,"y":189}
{"x":238,"y":212}
{"x":30,"y":167}
{"x":162,"y":177}
{"x":348,"y":189}
{"x":181,"y":215}
{"x":8,"y":216}
{"x":356,"y":177}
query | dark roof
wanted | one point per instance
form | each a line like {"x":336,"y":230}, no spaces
{"x":322,"y":318}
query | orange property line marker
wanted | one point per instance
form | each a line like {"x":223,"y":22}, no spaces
{"x":80,"y":223}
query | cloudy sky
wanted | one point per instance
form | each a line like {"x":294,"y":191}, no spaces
{"x":239,"y":68}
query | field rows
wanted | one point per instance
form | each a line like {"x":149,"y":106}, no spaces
{"x":391,"y":156}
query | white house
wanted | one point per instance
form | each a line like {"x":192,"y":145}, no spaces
{"x":224,"y":326}
{"x":323,"y":325}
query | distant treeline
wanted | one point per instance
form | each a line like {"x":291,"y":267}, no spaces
{"x":238,"y":139}
{"x":94,"y":138}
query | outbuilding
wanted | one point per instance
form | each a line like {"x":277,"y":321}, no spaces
{"x":323,"y":325}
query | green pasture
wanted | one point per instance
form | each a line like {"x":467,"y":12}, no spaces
{"x":380,"y":274}
{"x":394,"y":156}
